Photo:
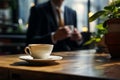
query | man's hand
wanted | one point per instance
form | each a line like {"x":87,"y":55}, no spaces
{"x":62,"y":33}
{"x":76,"y":35}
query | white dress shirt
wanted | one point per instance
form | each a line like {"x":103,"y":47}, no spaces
{"x":56,"y":14}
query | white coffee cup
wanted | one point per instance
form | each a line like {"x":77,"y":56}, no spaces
{"x":71,"y":28}
{"x":39,"y":51}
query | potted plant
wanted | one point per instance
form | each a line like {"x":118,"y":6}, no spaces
{"x":109,"y":30}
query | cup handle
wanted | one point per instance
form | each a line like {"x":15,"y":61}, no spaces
{"x":27,"y":50}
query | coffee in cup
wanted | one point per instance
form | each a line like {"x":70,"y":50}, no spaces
{"x":39,"y":51}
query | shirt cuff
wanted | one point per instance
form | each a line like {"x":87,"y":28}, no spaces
{"x":52,"y":38}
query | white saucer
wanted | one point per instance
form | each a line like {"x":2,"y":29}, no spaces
{"x":30,"y":59}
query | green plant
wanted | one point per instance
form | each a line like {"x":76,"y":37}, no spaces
{"x":110,"y":11}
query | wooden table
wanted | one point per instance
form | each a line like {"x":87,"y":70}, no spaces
{"x":75,"y":65}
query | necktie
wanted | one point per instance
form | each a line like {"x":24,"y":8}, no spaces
{"x":60,"y":20}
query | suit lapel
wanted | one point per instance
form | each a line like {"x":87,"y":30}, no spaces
{"x":66,"y":14}
{"x":51,"y":14}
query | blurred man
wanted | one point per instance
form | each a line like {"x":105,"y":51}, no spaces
{"x":49,"y":23}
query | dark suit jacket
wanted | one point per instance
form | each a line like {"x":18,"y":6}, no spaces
{"x":42,"y":23}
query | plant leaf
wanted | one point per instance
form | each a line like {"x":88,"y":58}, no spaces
{"x":108,"y":8}
{"x":97,"y":39}
{"x":89,"y":41}
{"x":100,"y":26}
{"x":96,"y":15}
{"x":115,"y":3}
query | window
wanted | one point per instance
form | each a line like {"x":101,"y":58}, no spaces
{"x":81,"y":7}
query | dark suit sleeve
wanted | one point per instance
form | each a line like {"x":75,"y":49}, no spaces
{"x":31,"y":30}
{"x":37,"y":32}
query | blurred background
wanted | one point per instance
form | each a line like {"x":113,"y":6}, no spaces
{"x":14,"y":16}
